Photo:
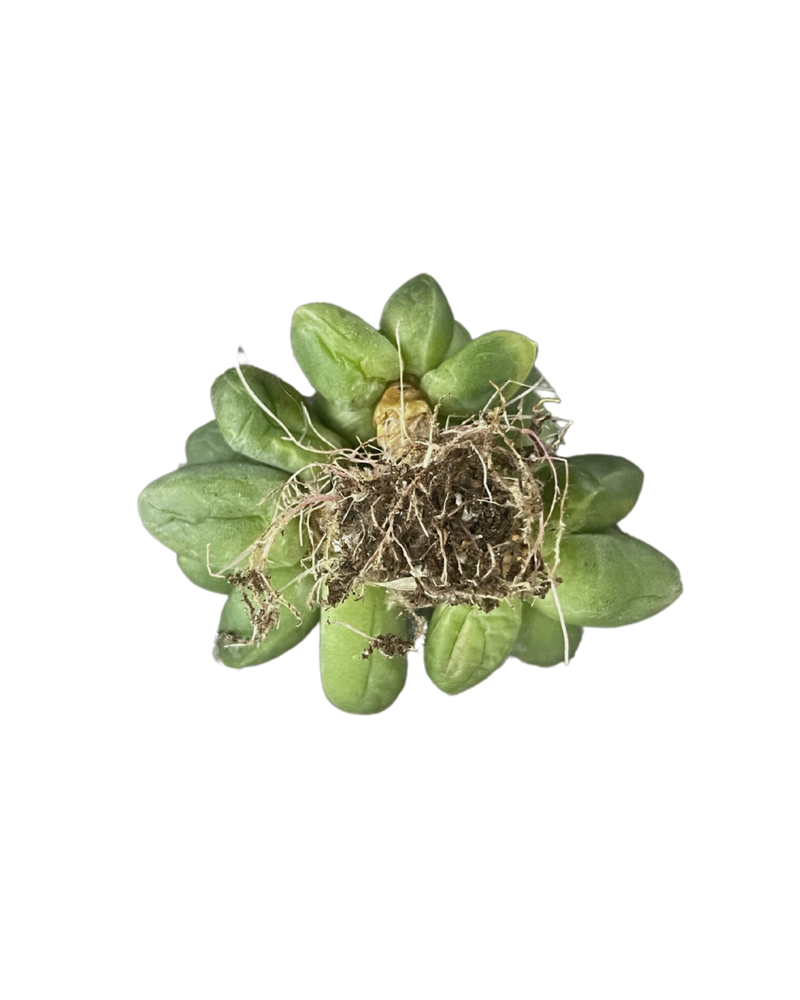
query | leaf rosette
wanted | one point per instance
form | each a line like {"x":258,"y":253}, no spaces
{"x":418,"y":496}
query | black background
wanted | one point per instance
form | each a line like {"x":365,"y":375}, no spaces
{"x":607,"y":315}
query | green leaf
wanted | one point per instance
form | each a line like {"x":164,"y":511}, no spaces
{"x":353,"y":684}
{"x":197,"y":571}
{"x":463,"y":383}
{"x":220,"y":505}
{"x":418,"y":317}
{"x":549,"y":433}
{"x":249,"y":430}
{"x":601,"y":491}
{"x":344,"y":358}
{"x":351,"y":421}
{"x":540,"y":640}
{"x":611,"y":579}
{"x":236,"y":629}
{"x":534,"y":400}
{"x":464,"y":645}
{"x":460,"y":339}
{"x":207,"y":445}
{"x":542,"y":390}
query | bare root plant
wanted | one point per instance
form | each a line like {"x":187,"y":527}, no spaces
{"x":451,"y":514}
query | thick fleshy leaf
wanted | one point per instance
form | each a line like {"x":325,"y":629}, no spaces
{"x":207,"y":445}
{"x":611,"y":579}
{"x":232,"y":647}
{"x":249,"y":430}
{"x":350,"y":682}
{"x":220,"y":506}
{"x":418,"y":317}
{"x":463,"y":383}
{"x":540,"y":640}
{"x":536,"y":399}
{"x":464,"y":645}
{"x":197,"y":571}
{"x":542,"y":390}
{"x":351,"y":421}
{"x":344,"y":358}
{"x":549,"y":433}
{"x":460,"y":339}
{"x":601,"y":491}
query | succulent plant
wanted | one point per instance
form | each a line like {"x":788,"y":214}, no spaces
{"x":418,"y":495}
